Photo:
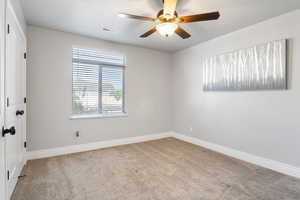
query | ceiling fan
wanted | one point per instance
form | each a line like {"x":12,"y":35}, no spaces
{"x":167,"y":20}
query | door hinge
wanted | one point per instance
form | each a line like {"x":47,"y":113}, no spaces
{"x":25,"y":100}
{"x":8,"y":175}
{"x":25,"y":55}
{"x":22,"y":176}
{"x":7,"y":102}
{"x":8,"y":28}
{"x":25,"y":144}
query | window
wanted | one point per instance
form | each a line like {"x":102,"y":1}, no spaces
{"x":98,"y":83}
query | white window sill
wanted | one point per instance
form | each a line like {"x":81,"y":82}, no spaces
{"x":94,"y":116}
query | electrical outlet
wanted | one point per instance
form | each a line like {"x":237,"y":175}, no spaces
{"x":77,"y":134}
{"x":191,"y":129}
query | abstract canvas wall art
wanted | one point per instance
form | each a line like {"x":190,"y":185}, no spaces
{"x":262,"y":67}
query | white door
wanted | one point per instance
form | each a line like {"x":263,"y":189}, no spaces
{"x":14,"y":106}
{"x":2,"y":140}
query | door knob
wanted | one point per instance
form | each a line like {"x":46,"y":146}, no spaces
{"x":20,"y":112}
{"x":11,"y":131}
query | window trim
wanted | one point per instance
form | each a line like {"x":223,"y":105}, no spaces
{"x":95,"y":116}
{"x":124,"y":112}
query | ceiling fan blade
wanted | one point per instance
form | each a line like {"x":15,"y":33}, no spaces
{"x":199,"y":17}
{"x":148,"y":33}
{"x":169,"y":8}
{"x":182,"y":33}
{"x":136,"y":17}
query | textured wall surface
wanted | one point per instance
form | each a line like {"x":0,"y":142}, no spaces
{"x":147,"y":92}
{"x":263,"y":123}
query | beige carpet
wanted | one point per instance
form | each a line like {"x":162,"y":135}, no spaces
{"x":166,"y":169}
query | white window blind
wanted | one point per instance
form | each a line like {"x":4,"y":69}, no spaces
{"x":98,"y":83}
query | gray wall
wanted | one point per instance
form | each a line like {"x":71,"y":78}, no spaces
{"x":263,"y":123}
{"x":49,"y":74}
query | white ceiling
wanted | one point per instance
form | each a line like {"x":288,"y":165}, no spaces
{"x":88,"y":17}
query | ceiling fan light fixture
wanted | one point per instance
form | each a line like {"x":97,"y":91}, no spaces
{"x":166,"y":29}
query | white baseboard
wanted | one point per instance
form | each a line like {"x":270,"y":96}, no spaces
{"x":31,"y":155}
{"x":260,"y":161}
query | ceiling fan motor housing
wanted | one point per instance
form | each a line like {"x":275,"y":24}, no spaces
{"x":162,"y":18}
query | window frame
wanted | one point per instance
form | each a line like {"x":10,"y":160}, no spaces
{"x":123,"y":113}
